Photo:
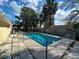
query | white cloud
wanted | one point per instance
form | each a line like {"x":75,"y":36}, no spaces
{"x":60,"y":17}
{"x":33,"y":4}
{"x":60,"y":3}
{"x":3,"y":1}
{"x":1,"y":11}
{"x":15,"y":7}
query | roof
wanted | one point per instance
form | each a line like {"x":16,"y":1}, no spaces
{"x":4,"y":21}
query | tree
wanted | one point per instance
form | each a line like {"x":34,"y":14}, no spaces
{"x":29,"y":18}
{"x":48,"y":12}
{"x":72,"y":18}
{"x":76,"y":27}
{"x":73,"y":22}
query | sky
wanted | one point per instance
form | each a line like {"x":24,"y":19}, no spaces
{"x":66,"y":6}
{"x":10,"y":8}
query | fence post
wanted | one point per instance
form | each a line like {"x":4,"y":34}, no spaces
{"x":46,"y":48}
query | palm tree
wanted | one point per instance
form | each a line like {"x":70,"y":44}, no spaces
{"x":72,"y":21}
{"x":69,"y":4}
{"x":48,"y":12}
{"x":72,"y":17}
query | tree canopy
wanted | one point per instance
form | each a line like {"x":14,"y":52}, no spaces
{"x":29,"y":17}
{"x":27,"y":13}
{"x":48,"y":12}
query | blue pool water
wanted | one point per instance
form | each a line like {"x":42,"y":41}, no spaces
{"x":42,"y":39}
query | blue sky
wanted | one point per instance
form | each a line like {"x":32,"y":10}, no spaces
{"x":63,"y":11}
{"x":12,"y":7}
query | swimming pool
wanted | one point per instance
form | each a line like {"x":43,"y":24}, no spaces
{"x":42,"y":39}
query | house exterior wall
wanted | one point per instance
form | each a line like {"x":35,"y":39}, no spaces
{"x":5,"y":29}
{"x":4,"y":33}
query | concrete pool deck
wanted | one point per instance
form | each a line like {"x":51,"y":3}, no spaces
{"x":29,"y":49}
